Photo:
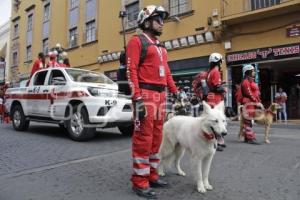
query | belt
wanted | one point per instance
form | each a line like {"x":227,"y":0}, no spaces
{"x":157,"y":88}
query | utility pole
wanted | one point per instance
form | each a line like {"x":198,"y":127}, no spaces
{"x":122,"y":15}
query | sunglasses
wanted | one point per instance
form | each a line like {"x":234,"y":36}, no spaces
{"x":158,"y":19}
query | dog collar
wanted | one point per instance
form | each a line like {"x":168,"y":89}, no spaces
{"x":208,"y":136}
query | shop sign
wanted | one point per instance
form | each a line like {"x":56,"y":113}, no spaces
{"x":293,"y":31}
{"x":264,"y":54}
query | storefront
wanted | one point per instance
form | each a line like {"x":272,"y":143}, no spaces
{"x":184,"y":71}
{"x":278,"y":66}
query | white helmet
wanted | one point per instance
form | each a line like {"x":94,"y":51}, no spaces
{"x":247,"y":67}
{"x":215,"y":57}
{"x":149,"y":11}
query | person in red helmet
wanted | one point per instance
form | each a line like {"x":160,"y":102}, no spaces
{"x":216,"y":90}
{"x":148,"y":82}
{"x":53,"y":59}
{"x":250,"y":101}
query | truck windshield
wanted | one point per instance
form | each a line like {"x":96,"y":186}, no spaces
{"x":88,"y":76}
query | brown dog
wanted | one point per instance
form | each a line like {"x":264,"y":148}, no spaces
{"x":263,"y":117}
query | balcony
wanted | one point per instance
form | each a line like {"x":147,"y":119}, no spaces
{"x":239,"y":11}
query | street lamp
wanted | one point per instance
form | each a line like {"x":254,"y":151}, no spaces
{"x":122,"y":15}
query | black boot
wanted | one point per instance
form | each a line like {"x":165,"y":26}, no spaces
{"x":254,"y":141}
{"x":159,"y":184}
{"x":146,"y":193}
{"x":219,"y":148}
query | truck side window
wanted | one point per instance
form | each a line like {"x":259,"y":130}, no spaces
{"x":56,"y":76}
{"x":39,"y":78}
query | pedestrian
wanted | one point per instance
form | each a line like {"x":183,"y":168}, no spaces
{"x":195,"y":105}
{"x":182,"y":94}
{"x":250,"y":101}
{"x":281,"y":98}
{"x":39,"y":63}
{"x":216,"y":90}
{"x":148,"y":83}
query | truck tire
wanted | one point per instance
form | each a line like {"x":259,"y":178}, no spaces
{"x":126,"y":130}
{"x":18,"y":119}
{"x":77,"y":124}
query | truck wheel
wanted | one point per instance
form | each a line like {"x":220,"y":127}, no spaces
{"x":77,"y":124}
{"x":126,"y":130}
{"x":18,"y":119}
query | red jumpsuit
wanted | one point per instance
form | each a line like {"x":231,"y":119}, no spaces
{"x":147,"y":137}
{"x":214,"y":80}
{"x":38,"y":64}
{"x":250,"y":92}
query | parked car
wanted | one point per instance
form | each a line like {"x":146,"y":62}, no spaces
{"x":77,"y":100}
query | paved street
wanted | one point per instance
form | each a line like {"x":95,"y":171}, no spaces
{"x":44,"y":163}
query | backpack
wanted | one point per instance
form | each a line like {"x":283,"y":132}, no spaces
{"x":239,"y":94}
{"x":122,"y":79}
{"x":200,"y":86}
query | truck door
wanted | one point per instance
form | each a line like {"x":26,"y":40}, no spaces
{"x":59,"y":94}
{"x":38,"y":95}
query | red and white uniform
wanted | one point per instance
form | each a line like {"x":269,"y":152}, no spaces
{"x":250,"y":91}
{"x":38,"y":64}
{"x":213,"y":80}
{"x":53,"y":63}
{"x":147,"y":139}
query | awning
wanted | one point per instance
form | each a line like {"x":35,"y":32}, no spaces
{"x":187,"y":72}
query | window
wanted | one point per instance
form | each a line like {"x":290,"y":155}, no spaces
{"x":28,"y":53}
{"x":15,"y":58}
{"x":73,"y":38}
{"x":16,"y":30}
{"x":45,"y":46}
{"x":90,"y":34}
{"x":40,"y":78}
{"x":177,"y":7}
{"x":47,"y":12}
{"x":74,"y":4}
{"x":257,"y":4}
{"x":132,"y":11}
{"x":73,"y":13}
{"x":90,"y":10}
{"x":29,"y":22}
{"x":56,"y":77}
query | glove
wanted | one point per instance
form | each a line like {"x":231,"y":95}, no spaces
{"x":139,"y":109}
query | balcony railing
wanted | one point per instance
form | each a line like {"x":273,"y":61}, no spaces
{"x":230,"y":8}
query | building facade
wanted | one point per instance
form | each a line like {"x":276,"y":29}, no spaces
{"x":4,"y":52}
{"x":267,"y":34}
{"x":92,"y":33}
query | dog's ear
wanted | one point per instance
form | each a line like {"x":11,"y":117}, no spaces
{"x":206,"y":107}
{"x":220,"y":106}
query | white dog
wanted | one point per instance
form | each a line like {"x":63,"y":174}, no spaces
{"x":197,"y":136}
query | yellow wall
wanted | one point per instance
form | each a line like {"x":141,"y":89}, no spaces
{"x":259,"y":37}
{"x":110,"y":37}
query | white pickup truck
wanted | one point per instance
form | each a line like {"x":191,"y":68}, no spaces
{"x":77,"y":100}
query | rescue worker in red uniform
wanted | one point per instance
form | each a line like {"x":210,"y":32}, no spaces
{"x":40,"y":63}
{"x":53,"y":59}
{"x":216,"y":89}
{"x":148,"y":83}
{"x":250,"y":101}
